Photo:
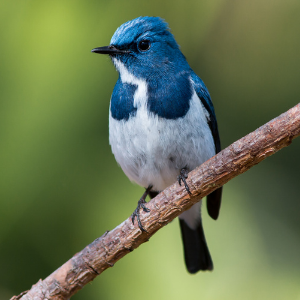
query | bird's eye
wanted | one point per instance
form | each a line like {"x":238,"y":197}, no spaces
{"x":144,"y":45}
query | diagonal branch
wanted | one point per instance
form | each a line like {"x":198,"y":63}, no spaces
{"x":105,"y":251}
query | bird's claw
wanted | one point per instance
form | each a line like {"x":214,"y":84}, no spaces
{"x":141,"y":204}
{"x":182,"y":178}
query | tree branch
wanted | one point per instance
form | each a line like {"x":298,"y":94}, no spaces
{"x":106,"y":250}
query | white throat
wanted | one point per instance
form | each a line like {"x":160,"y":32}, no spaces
{"x":140,"y":95}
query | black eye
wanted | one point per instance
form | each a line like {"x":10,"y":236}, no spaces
{"x":144,"y":45}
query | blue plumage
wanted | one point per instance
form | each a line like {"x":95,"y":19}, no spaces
{"x":121,"y":103}
{"x":204,"y":96}
{"x":162,"y":122}
{"x":168,"y":100}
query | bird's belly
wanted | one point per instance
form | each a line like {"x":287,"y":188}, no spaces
{"x":152,"y":150}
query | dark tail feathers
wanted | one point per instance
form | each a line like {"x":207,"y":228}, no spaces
{"x":196,"y":253}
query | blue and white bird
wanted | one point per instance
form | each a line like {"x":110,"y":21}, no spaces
{"x":162,"y":123}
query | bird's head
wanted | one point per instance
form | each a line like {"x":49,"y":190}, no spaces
{"x":145,"y":45}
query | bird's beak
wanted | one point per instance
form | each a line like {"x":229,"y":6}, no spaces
{"x":108,"y":50}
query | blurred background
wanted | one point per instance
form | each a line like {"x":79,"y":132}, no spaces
{"x":60,"y":187}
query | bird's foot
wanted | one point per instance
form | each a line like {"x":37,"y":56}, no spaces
{"x":141,"y":204}
{"x":182,"y":178}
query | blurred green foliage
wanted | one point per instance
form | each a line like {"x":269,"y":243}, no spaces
{"x":60,"y":187}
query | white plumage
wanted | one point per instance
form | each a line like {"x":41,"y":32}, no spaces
{"x":152,"y":150}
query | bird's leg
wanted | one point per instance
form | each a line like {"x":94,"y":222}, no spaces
{"x":141,"y":204}
{"x":182,"y":178}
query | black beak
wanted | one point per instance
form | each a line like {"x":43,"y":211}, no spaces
{"x":108,"y":50}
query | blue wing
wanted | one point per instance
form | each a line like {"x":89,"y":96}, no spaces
{"x":204,"y":96}
{"x":214,"y":199}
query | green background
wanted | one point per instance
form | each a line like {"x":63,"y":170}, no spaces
{"x":60,"y":187}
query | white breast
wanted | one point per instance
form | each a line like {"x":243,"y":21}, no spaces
{"x":152,"y":150}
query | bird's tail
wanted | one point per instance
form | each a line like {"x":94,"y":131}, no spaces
{"x":196,"y":253}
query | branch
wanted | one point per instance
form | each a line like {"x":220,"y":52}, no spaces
{"x":106,"y":250}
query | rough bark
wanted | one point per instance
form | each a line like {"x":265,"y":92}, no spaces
{"x":106,"y":250}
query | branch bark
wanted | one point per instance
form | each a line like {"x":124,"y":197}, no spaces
{"x":106,"y":250}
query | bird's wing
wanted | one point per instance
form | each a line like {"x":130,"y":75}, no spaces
{"x":204,"y":96}
{"x":214,"y":199}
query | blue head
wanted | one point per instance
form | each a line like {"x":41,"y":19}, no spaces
{"x":146,"y":47}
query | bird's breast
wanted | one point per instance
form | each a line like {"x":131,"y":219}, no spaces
{"x":166,"y":95}
{"x":152,"y":149}
{"x":122,"y":101}
{"x":169,"y":97}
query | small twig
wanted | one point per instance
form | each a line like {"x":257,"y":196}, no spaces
{"x":105,"y":251}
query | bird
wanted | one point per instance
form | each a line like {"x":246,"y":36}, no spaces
{"x":162,"y":123}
